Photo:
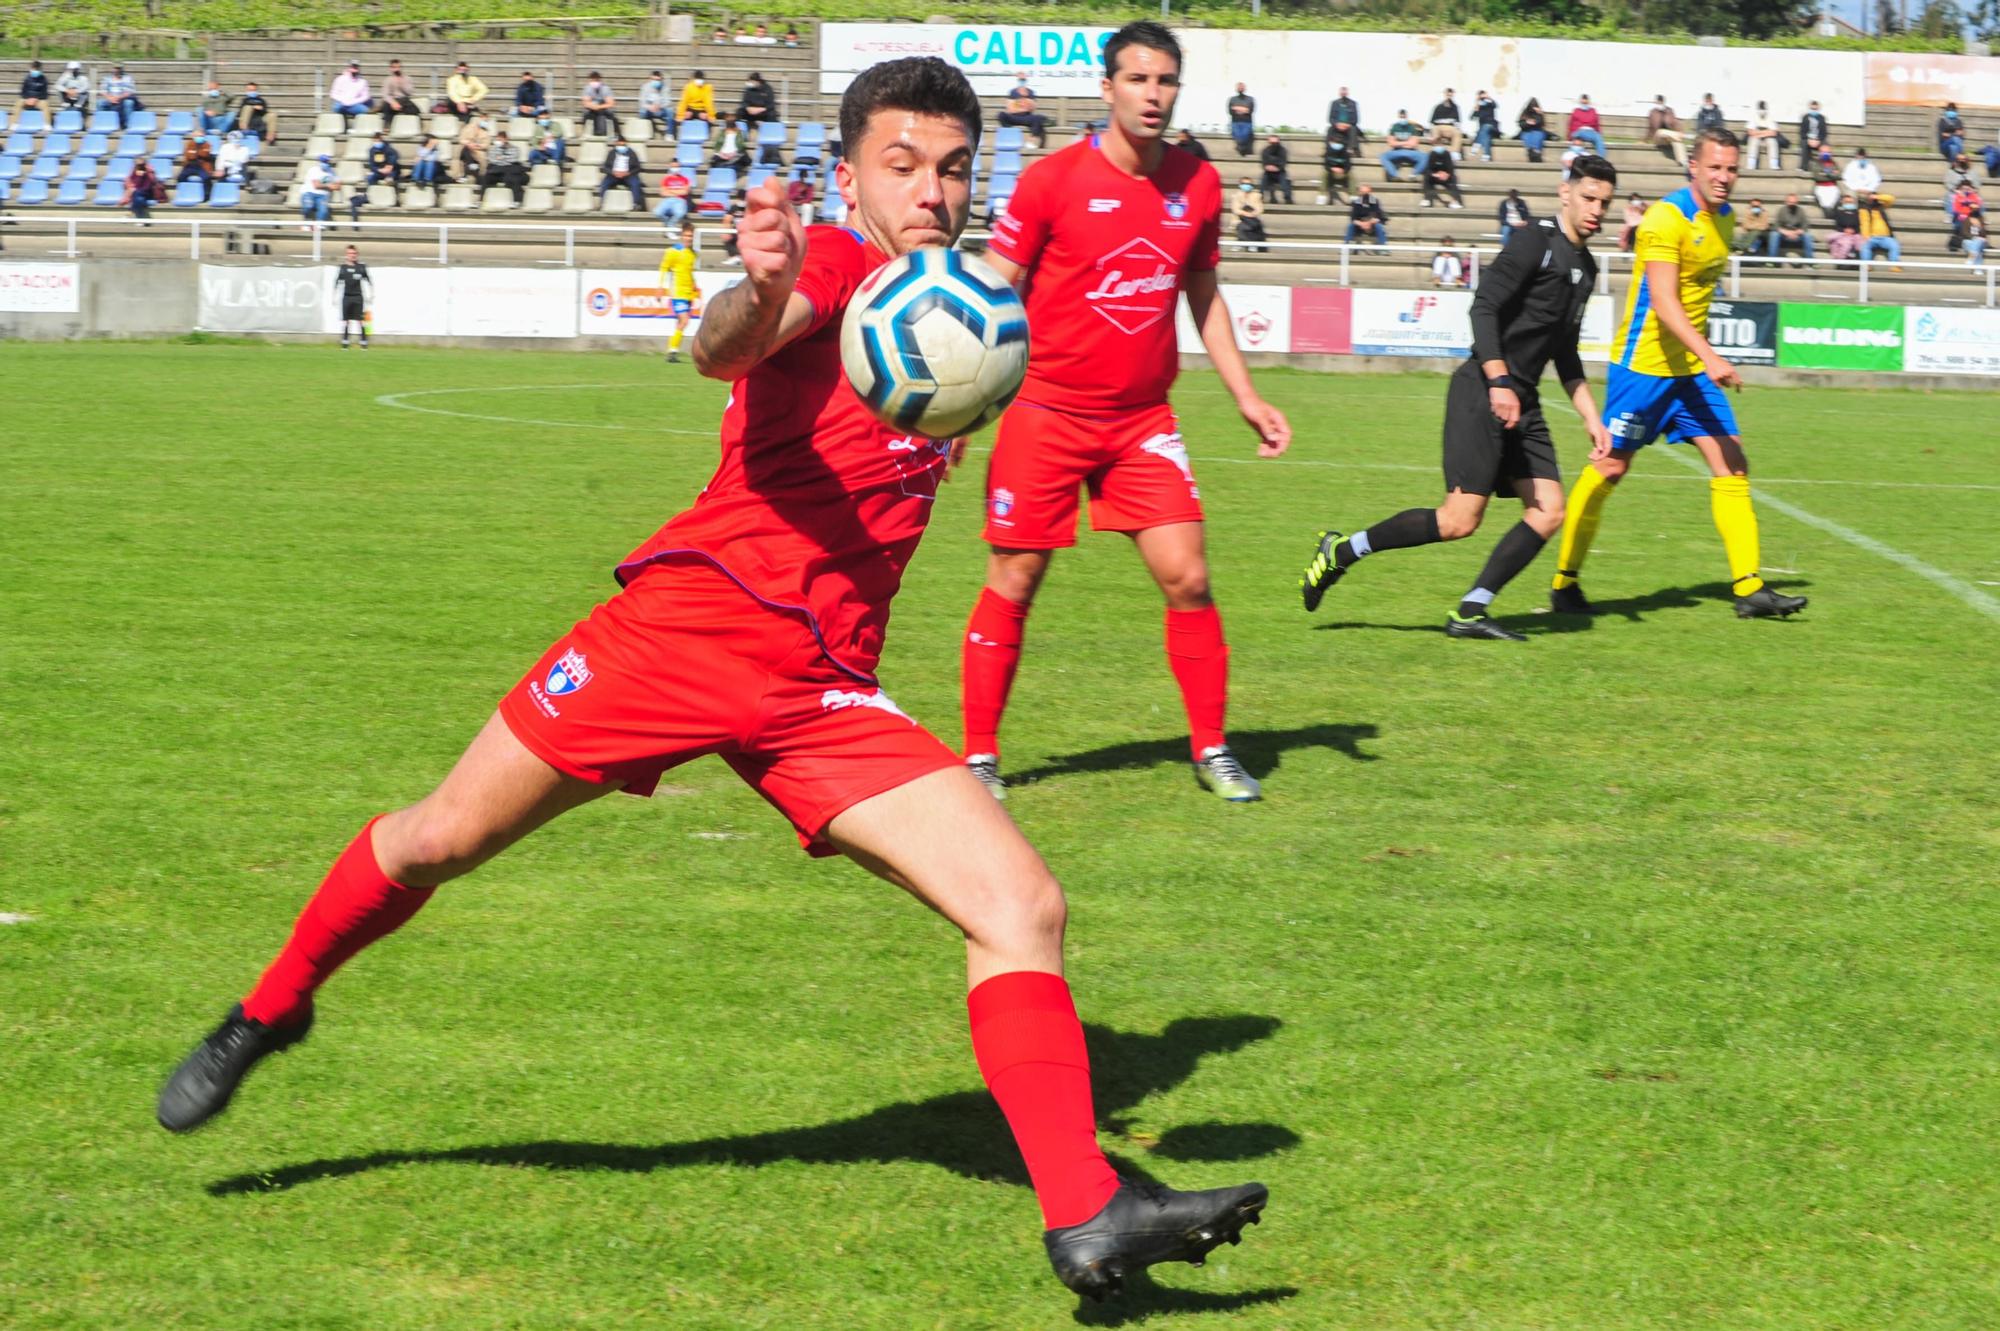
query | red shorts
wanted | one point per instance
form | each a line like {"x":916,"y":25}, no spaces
{"x":683,"y":663}
{"x":1134,"y":464}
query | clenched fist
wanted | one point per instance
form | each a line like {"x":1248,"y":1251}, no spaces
{"x":770,"y":240}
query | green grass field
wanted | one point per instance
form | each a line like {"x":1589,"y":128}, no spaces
{"x":1640,"y":975}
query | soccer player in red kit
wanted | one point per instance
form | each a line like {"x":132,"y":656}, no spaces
{"x":1103,"y":238}
{"x":749,"y":628}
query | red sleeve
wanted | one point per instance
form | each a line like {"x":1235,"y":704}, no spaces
{"x":834,"y":266}
{"x":1206,"y":256}
{"x":1018,"y":236}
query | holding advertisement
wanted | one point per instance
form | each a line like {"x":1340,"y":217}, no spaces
{"x":1840,"y":337}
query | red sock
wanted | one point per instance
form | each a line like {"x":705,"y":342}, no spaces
{"x":1200,"y":661}
{"x":356,"y":905}
{"x":991,"y":654}
{"x":1030,"y":1050}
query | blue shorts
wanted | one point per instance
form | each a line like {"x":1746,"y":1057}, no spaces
{"x":682,"y":307}
{"x":1639,"y":408}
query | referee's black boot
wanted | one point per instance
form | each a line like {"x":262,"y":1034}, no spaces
{"x":1570,"y":601}
{"x":202,"y":1085}
{"x":1767,"y":604}
{"x":1479,"y":626}
{"x":1145,"y":1223}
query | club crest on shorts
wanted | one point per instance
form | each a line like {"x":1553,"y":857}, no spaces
{"x":567,"y":675}
{"x":1003,"y":503}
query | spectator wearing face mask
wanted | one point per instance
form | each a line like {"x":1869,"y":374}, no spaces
{"x":1366,"y":220}
{"x":1791,"y":229}
{"x":1753,"y":229}
{"x":1248,"y":210}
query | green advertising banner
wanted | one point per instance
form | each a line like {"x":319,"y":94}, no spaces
{"x":1840,"y":337}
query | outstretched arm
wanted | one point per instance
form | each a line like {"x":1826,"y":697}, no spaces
{"x":1218,"y":335}
{"x":760,"y":314}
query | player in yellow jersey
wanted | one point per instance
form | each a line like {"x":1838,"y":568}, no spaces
{"x":1666,"y":380}
{"x":677,"y":276}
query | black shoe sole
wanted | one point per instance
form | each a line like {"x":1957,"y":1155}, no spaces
{"x":1491,"y":632}
{"x":1106,"y":1276}
{"x":1756,"y":612}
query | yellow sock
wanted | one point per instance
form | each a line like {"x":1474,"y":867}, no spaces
{"x":1729,"y":499}
{"x":674,"y":341}
{"x":1586,"y":505}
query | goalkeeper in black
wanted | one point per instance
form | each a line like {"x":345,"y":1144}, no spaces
{"x":1527,"y":312}
{"x":354,"y":289}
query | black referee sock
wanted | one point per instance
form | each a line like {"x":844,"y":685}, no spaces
{"x":1515,"y":551}
{"x":1413,"y":526}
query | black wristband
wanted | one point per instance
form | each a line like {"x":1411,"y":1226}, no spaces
{"x":1501,"y":381}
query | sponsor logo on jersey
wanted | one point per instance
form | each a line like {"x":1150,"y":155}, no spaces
{"x":1136,"y":287}
{"x":567,"y":675}
{"x":1003,"y":503}
{"x":1176,"y":204}
{"x":839,"y":700}
{"x":1105,"y":205}
{"x":1575,"y":276}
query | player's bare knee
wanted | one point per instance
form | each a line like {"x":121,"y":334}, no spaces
{"x":1024,"y":910}
{"x":1457,"y":524}
{"x":423,"y":845}
{"x":1017,"y":576}
{"x":1545,"y":522}
{"x":1186,"y":589}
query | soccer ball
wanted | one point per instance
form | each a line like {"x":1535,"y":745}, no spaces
{"x":935,"y":343}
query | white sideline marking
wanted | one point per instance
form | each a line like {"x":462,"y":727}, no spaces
{"x":1982,"y":602}
{"x":719,"y":836}
{"x":9,"y":917}
{"x":397,"y":400}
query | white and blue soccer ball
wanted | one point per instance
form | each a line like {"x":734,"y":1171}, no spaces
{"x":935,"y":343}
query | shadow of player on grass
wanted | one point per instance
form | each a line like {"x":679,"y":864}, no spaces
{"x":1261,"y":752}
{"x":1630,"y":609}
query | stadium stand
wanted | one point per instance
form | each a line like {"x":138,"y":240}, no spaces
{"x":46,"y":166}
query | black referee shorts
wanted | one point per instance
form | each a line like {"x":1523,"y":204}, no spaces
{"x":1479,"y":455}
{"x":351,"y":310}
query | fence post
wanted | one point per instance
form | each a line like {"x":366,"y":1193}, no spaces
{"x":1472,"y":269}
{"x":569,"y":247}
{"x":315,"y":233}
{"x":444,"y":243}
{"x":194,"y":239}
{"x":1343,"y":263}
{"x":69,"y":241}
{"x":1989,"y":286}
{"x":1736,"y":277}
{"x":1862,"y":294}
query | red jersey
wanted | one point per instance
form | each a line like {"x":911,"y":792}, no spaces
{"x":1105,"y":253}
{"x":817,"y":506}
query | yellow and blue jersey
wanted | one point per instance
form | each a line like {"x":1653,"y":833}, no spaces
{"x":1676,"y":230}
{"x":677,"y":273}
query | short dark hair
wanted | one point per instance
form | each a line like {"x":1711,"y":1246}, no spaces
{"x":1153,"y":36}
{"x":1592,"y":167}
{"x":923,"y":84}
{"x":1720,"y":135}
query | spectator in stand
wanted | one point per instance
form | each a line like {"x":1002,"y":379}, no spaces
{"x":1020,"y":110}
{"x":1663,"y":130}
{"x":399,"y":95}
{"x":1447,"y":268}
{"x":1991,"y":154}
{"x":255,"y":117}
{"x":316,"y":199}
{"x":1513,"y":214}
{"x":1814,"y":145}
{"x":1878,"y":234}
{"x":1242,"y":120}
{"x":675,"y":198}
{"x":35,"y":90}
{"x":1447,"y":124}
{"x":656,"y":105}
{"x":232,"y":160}
{"x":1861,"y":176}
{"x":1846,"y":241}
{"x":1827,"y":193}
{"x":212,"y":111}
{"x":799,"y":193}
{"x":350,"y":95}
{"x":1366,"y":220}
{"x":1972,"y":239}
{"x":758,"y":103}
{"x":383,"y":165}
{"x":1188,"y":141}
{"x":697,"y":100}
{"x":197,"y":162}
{"x":600,"y":115}
{"x":1753,"y":229}
{"x":729,"y":152}
{"x":430,"y":159}
{"x":1846,"y":215}
{"x":1441,"y":177}
{"x":622,"y":170}
{"x":1966,"y":202}
{"x":1338,"y":160}
{"x":1790,"y":230}
{"x":1635,"y":213}
{"x":1343,"y":117}
{"x":1486,"y":119}
{"x":143,"y":189}
{"x":1532,"y":128}
{"x":73,"y":89}
{"x":791,"y":37}
{"x":1950,"y":132}
{"x":550,"y":146}
{"x":1403,"y":149}
{"x":1277,"y":173}
{"x":1763,"y":130}
{"x":1956,"y":174}
{"x":463,"y":92}
{"x":1709,"y":115}
{"x":475,"y":138}
{"x":117,"y":92}
{"x":1248,"y":210}
{"x":718,"y":37}
{"x":506,"y":166}
{"x":531,"y":99}
{"x":1586,"y":127}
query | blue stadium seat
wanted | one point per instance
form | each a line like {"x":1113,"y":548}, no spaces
{"x":69,"y":122}
{"x":180,"y":122}
{"x":145,"y":121}
{"x":33,"y":191}
{"x":164,"y":167}
{"x":103,"y":122}
{"x":1007,"y":162}
{"x":6,"y":191}
{"x":82,"y":168}
{"x":46,"y":167}
{"x":10,"y":167}
{"x":689,"y":154}
{"x":72,"y":193}
{"x":771,"y":134}
{"x":758,"y":175}
{"x":693,"y":131}
{"x":34,"y":121}
{"x":226,"y":194}
{"x":168,"y":145}
{"x":1010,"y":137}
{"x":130,"y":144}
{"x":56,"y":145}
{"x":94,"y":145}
{"x":1002,"y":186}
{"x":187,"y":194}
{"x":3,"y":119}
{"x":19,"y":144}
{"x":110,"y":191}
{"x":721,"y":184}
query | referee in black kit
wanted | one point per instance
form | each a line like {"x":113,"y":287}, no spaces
{"x":1527,"y":312}
{"x":354,"y":287}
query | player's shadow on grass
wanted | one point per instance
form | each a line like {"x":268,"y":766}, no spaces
{"x":962,"y":1131}
{"x":1630,"y":609}
{"x":1260,"y":751}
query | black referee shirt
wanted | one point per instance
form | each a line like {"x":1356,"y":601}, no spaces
{"x":1529,"y":306}
{"x":350,"y":279}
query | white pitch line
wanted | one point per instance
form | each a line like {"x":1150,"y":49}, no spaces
{"x":9,"y":917}
{"x":1984,"y":603}
{"x":396,"y":400}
